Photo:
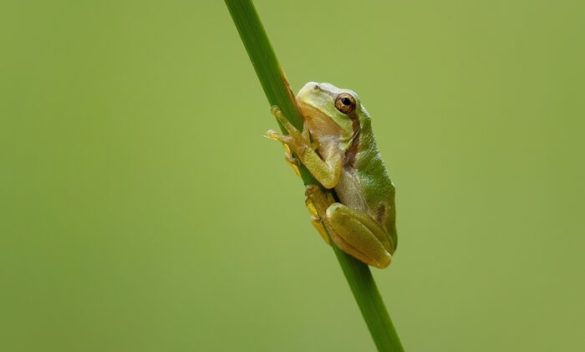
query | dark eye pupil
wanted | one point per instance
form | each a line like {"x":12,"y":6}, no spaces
{"x":346,"y":101}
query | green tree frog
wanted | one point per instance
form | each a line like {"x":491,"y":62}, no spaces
{"x":337,"y":146}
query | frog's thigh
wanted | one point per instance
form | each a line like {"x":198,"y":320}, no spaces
{"x":358,"y":235}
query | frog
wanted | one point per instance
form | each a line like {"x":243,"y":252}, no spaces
{"x":354,"y":204}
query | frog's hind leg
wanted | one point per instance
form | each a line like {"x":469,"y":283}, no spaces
{"x":356,"y":233}
{"x":359,"y":235}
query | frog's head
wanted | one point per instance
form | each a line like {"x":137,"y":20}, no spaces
{"x":331,"y":111}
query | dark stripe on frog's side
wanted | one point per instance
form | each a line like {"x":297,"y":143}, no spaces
{"x":352,"y":150}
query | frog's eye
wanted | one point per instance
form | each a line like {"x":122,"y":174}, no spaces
{"x":345,"y":103}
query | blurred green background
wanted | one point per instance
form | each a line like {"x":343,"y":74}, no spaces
{"x":141,"y":209}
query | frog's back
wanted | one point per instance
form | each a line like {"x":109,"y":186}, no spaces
{"x":365,"y":184}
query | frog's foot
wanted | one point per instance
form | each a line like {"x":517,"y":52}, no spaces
{"x":291,"y":160}
{"x":317,"y":202}
{"x":276,"y":136}
{"x":297,"y":141}
{"x":327,"y":171}
{"x":320,"y":199}
{"x":288,"y":155}
{"x":359,"y":235}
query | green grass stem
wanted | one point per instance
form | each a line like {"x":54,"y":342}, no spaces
{"x":278,"y":92}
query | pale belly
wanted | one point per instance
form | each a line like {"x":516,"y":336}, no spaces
{"x":350,"y":191}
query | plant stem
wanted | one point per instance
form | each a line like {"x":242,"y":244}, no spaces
{"x":278,"y":92}
{"x":371,"y":305}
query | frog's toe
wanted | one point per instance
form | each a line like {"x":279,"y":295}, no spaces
{"x":279,"y":137}
{"x":273,"y":135}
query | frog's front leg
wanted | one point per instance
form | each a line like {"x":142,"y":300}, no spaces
{"x":355,"y":232}
{"x":327,"y":171}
